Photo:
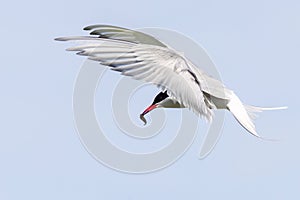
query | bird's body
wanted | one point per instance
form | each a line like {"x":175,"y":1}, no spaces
{"x":143,"y":57}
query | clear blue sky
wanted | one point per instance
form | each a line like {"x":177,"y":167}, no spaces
{"x":255,"y":46}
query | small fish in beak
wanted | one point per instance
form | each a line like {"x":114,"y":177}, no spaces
{"x":153,"y":106}
{"x":143,"y":119}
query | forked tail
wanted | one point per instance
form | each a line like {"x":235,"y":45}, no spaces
{"x":245,"y":114}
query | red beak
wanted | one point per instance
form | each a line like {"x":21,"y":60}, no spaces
{"x":149,"y":109}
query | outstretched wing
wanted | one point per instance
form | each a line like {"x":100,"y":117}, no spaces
{"x":209,"y":84}
{"x":151,"y":63}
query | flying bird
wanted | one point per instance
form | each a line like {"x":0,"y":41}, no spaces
{"x":183,"y":85}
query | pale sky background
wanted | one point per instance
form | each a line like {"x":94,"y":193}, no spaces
{"x":255,"y":46}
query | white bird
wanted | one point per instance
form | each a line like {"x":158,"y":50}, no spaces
{"x":183,"y":85}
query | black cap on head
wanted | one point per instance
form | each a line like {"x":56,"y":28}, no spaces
{"x":160,"y":97}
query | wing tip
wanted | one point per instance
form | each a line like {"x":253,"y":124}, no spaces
{"x":90,"y":27}
{"x":60,"y":39}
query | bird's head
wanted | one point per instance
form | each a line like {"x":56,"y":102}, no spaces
{"x":157,"y":102}
{"x":162,"y":100}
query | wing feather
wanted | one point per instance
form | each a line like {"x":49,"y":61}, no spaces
{"x":159,"y":65}
{"x":123,"y":34}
